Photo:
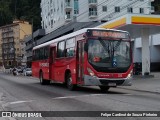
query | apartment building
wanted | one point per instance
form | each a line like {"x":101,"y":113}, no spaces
{"x":56,"y":13}
{"x":12,"y":43}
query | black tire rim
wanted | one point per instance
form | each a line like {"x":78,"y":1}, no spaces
{"x":69,"y":82}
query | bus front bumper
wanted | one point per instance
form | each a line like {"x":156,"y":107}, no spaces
{"x":95,"y":81}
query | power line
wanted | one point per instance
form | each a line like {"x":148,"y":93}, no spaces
{"x":112,"y":3}
{"x":121,"y":13}
{"x":111,"y":9}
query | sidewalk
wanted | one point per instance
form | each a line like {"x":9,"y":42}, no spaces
{"x":147,"y":84}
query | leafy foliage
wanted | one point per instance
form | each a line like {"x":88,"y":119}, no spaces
{"x":22,"y":10}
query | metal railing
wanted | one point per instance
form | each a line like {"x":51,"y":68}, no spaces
{"x":92,"y":13}
{"x":92,"y":1}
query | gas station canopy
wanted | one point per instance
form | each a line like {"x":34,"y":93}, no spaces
{"x":134,"y":23}
{"x":139,"y":26}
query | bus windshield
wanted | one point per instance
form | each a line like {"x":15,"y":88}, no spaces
{"x":109,"y":55}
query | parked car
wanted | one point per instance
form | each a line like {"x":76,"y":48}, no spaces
{"x":27,"y":72}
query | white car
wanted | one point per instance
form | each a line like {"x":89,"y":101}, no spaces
{"x":27,"y":72}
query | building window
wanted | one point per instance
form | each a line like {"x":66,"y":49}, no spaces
{"x":51,"y":23}
{"x":76,"y":7}
{"x":68,"y":15}
{"x":92,"y":11}
{"x":117,"y":9}
{"x":76,"y":12}
{"x":141,"y":10}
{"x":104,"y":8}
{"x":130,"y":10}
{"x":62,"y":7}
{"x":92,"y":1}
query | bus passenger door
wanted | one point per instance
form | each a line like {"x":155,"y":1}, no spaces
{"x":80,"y":64}
{"x":51,"y":63}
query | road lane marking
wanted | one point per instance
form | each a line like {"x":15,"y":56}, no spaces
{"x":128,"y":94}
{"x":66,"y":97}
{"x":16,"y":102}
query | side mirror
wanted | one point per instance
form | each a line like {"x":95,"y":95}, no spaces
{"x":86,"y":47}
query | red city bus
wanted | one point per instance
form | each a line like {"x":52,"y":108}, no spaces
{"x":88,"y":57}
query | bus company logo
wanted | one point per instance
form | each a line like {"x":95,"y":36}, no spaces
{"x":103,"y":75}
{"x":44,"y":64}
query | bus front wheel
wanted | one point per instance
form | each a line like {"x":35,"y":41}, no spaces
{"x":42,"y":80}
{"x":70,"y":86}
{"x":104,"y":88}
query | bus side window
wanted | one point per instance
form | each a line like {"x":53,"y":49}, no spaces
{"x":61,"y":49}
{"x":70,"y":45}
{"x":46,"y":51}
{"x":70,"y":52}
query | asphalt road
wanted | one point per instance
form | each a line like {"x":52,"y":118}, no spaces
{"x":21,"y":93}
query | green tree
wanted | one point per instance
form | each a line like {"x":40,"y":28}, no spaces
{"x":5,"y":13}
{"x":28,"y":10}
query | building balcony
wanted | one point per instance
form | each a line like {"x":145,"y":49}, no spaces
{"x":7,"y":36}
{"x":92,"y":3}
{"x":92,"y":14}
{"x":7,"y":31}
{"x":68,"y":6}
{"x":68,"y":18}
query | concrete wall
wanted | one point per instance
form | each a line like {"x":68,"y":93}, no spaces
{"x":154,"y":48}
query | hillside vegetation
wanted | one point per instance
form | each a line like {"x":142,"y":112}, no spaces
{"x":22,"y":10}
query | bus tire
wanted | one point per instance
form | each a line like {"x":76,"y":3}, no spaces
{"x":70,"y":86}
{"x":43,"y":81}
{"x":104,"y":89}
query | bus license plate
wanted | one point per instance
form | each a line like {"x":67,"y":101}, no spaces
{"x":111,"y":84}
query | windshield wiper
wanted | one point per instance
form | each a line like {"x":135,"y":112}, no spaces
{"x":105,"y":46}
{"x":117,"y":45}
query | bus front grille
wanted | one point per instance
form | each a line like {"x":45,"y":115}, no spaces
{"x":106,"y":82}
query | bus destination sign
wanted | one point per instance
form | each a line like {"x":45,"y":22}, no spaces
{"x":110,"y":34}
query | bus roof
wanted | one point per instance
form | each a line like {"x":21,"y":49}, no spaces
{"x":71,"y":35}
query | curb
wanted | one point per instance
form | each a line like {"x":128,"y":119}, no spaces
{"x":138,"y":90}
{"x":143,"y":76}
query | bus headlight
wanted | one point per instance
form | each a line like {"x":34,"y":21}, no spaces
{"x":90,"y":72}
{"x":130,"y":74}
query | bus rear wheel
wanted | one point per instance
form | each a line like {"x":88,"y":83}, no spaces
{"x":42,"y":80}
{"x":70,"y":86}
{"x":104,"y":88}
